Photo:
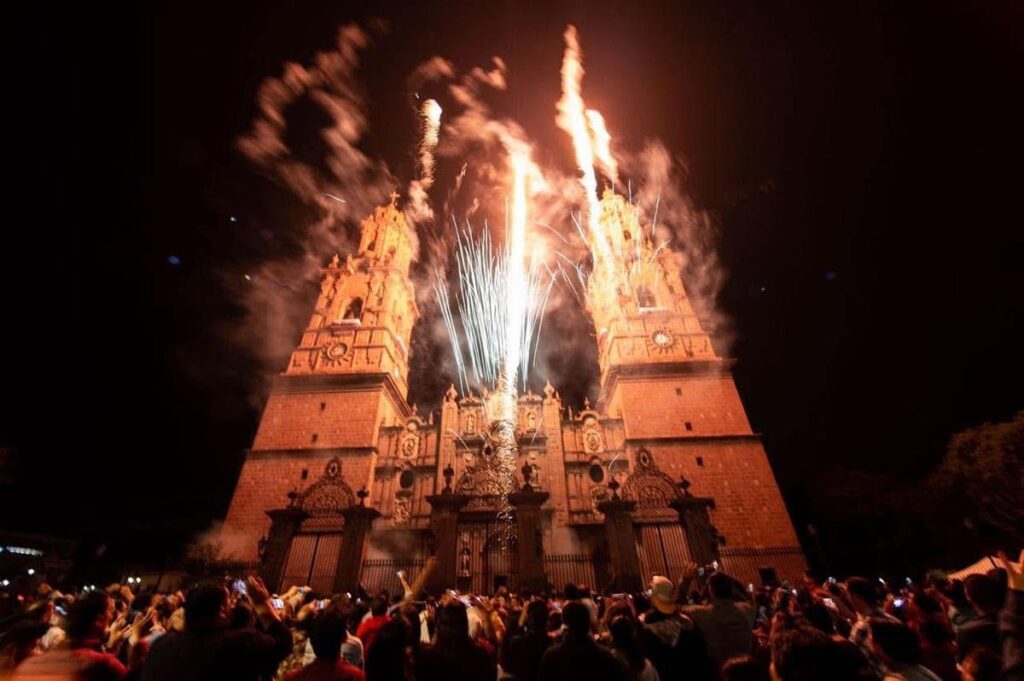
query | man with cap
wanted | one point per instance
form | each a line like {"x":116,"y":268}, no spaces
{"x":670,"y":639}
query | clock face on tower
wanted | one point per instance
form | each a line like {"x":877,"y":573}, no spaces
{"x":662,"y":340}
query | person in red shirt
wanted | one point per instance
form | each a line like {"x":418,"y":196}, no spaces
{"x":368,"y":629}
{"x":83,"y":655}
{"x":327,"y":633}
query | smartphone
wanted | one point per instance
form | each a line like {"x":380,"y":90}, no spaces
{"x":750,"y":587}
{"x":831,"y":580}
{"x":829,"y":603}
{"x":898,"y":602}
{"x":700,"y":572}
{"x":277,"y":602}
{"x":239,"y":587}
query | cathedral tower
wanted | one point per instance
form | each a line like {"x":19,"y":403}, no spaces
{"x":676,"y":397}
{"x":345,"y":381}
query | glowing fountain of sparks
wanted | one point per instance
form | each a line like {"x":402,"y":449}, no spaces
{"x":625,"y":257}
{"x":499,"y":303}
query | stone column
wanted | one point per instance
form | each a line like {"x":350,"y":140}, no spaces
{"x":444,"y":523}
{"x":618,"y":524}
{"x":284,"y":523}
{"x":531,"y":541}
{"x":701,"y":537}
{"x":358,"y":522}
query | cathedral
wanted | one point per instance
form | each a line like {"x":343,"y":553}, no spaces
{"x":346,"y":483}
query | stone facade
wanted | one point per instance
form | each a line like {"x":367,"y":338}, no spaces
{"x":337,"y":420}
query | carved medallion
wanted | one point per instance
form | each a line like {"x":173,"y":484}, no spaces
{"x":661,"y":341}
{"x":335,"y":353}
{"x":592,"y":441}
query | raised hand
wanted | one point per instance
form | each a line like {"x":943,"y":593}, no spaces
{"x":258,"y":590}
{"x":1014,"y":571}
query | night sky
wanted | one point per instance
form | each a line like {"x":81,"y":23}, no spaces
{"x":861,"y":161}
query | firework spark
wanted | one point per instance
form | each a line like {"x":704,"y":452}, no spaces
{"x":419,"y":202}
{"x":500,"y":303}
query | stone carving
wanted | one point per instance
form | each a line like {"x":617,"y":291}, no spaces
{"x":410,"y":445}
{"x":592,"y":441}
{"x":403,"y":508}
{"x":650,"y":487}
{"x":329,"y":495}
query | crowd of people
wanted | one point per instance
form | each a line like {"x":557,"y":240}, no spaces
{"x":700,"y":627}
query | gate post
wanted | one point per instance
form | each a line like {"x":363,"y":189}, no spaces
{"x":531,"y":543}
{"x":358,"y":521}
{"x":618,"y":523}
{"x":284,"y":523}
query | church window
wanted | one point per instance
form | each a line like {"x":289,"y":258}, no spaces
{"x":323,"y":406}
{"x":406,"y":479}
{"x":354,"y":309}
{"x":700,"y":461}
{"x":644,"y":297}
{"x":689,"y":426}
{"x":679,"y":391}
{"x":315,"y":437}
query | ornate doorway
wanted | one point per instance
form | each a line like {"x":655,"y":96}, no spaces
{"x":313,"y":556}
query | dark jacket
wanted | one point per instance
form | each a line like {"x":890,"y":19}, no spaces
{"x":216,"y":652}
{"x":982,"y":632}
{"x":577,"y":659}
{"x":463,"y":660}
{"x":675,"y":647}
{"x":524,"y":654}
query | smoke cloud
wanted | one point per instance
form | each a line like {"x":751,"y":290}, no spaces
{"x":461,"y":179}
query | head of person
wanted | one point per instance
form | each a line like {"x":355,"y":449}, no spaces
{"x":663,"y":594}
{"x":802,"y":653}
{"x":385,"y":659}
{"x":982,"y":664}
{"x":894,"y":643}
{"x":576,"y":618}
{"x":623,"y":631}
{"x":379,"y":606}
{"x":819,"y":617}
{"x":745,"y":668}
{"x":537,"y":616}
{"x":327,"y":632}
{"x":572,"y":592}
{"x":19,"y":642}
{"x":242,"y":616}
{"x":89,"y":616}
{"x":863,"y":594}
{"x":985,"y":593}
{"x":720,"y":585}
{"x":206,"y":605}
{"x":452,"y":622}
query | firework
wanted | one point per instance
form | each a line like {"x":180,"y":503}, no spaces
{"x":499,"y":303}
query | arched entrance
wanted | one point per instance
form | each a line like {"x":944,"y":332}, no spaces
{"x":313,"y":556}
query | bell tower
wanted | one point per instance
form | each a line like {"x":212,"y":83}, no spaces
{"x":346,"y":379}
{"x":363,"y":318}
{"x":675,"y":396}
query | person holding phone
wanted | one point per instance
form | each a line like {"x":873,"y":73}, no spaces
{"x":209,"y":649}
